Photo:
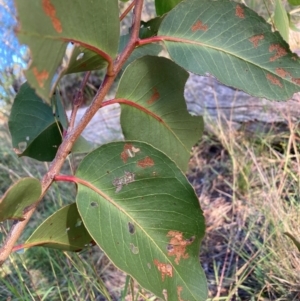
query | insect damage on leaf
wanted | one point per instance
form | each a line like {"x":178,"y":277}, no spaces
{"x":199,"y":26}
{"x":239,"y":12}
{"x":50,"y":11}
{"x":274,"y":80}
{"x":129,"y":177}
{"x":179,"y":290}
{"x":177,"y":245}
{"x":146,"y":162}
{"x":255,"y":39}
{"x":165,"y":268}
{"x":134,"y":249}
{"x":154,"y":97}
{"x":129,"y":151}
{"x":131,"y":228}
{"x":296,"y":80}
{"x":41,"y":77}
{"x":279,"y":52}
{"x":283,"y":73}
{"x":165,"y":293}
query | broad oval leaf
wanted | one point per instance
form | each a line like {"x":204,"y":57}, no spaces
{"x":34,"y":130}
{"x":153,"y":107}
{"x":233,"y":43}
{"x":62,"y":230}
{"x":18,"y":197}
{"x":163,"y":6}
{"x":140,"y":209}
{"x":91,"y":24}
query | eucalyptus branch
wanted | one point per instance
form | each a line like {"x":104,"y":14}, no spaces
{"x":127,"y":10}
{"x":72,"y":135}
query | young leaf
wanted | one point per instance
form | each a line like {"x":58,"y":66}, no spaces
{"x":163,"y":6}
{"x":93,"y":25}
{"x":63,"y":230}
{"x":34,"y":130}
{"x":18,"y":197}
{"x":233,"y":43}
{"x":143,"y":213}
{"x":281,"y":20}
{"x":153,"y":108}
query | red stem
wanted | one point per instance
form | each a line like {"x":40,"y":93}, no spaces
{"x":127,"y":10}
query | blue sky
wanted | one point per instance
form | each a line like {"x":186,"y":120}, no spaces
{"x":11,"y":52}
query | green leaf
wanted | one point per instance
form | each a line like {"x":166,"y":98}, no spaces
{"x":18,"y":197}
{"x":294,"y":2}
{"x":233,"y":43}
{"x":150,"y":28}
{"x":295,"y":241}
{"x":163,"y":6}
{"x":143,"y":213}
{"x":34,"y":130}
{"x":63,"y":230}
{"x":281,"y":20}
{"x":93,"y":25}
{"x":153,"y":108}
{"x":83,"y":59}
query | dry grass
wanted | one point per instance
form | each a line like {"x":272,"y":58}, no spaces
{"x":249,"y":192}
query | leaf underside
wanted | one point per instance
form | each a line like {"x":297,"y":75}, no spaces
{"x":18,"y":197}
{"x":144,"y":214}
{"x":234,"y":44}
{"x":153,"y":108}
{"x":63,"y":230}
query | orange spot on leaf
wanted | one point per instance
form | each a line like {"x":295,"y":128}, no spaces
{"x":255,"y":39}
{"x":239,"y":12}
{"x":154,"y":97}
{"x":296,"y":81}
{"x":274,"y":80}
{"x":199,"y":26}
{"x":146,"y":162}
{"x":40,"y":76}
{"x":177,"y":245}
{"x":279,"y":52}
{"x":283,"y":73}
{"x":179,"y":290}
{"x":50,"y":11}
{"x":165,"y":268}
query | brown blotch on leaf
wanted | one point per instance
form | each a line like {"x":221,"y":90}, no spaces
{"x":165,"y":268}
{"x":50,"y":11}
{"x":124,"y":154}
{"x":283,"y":73}
{"x":296,"y":81}
{"x":279,"y":52}
{"x":177,"y":245}
{"x":199,"y":26}
{"x":274,"y":80}
{"x":239,"y":12}
{"x":179,"y":290}
{"x":146,"y":162}
{"x":155,"y":96}
{"x":41,"y":77}
{"x":255,"y":39}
